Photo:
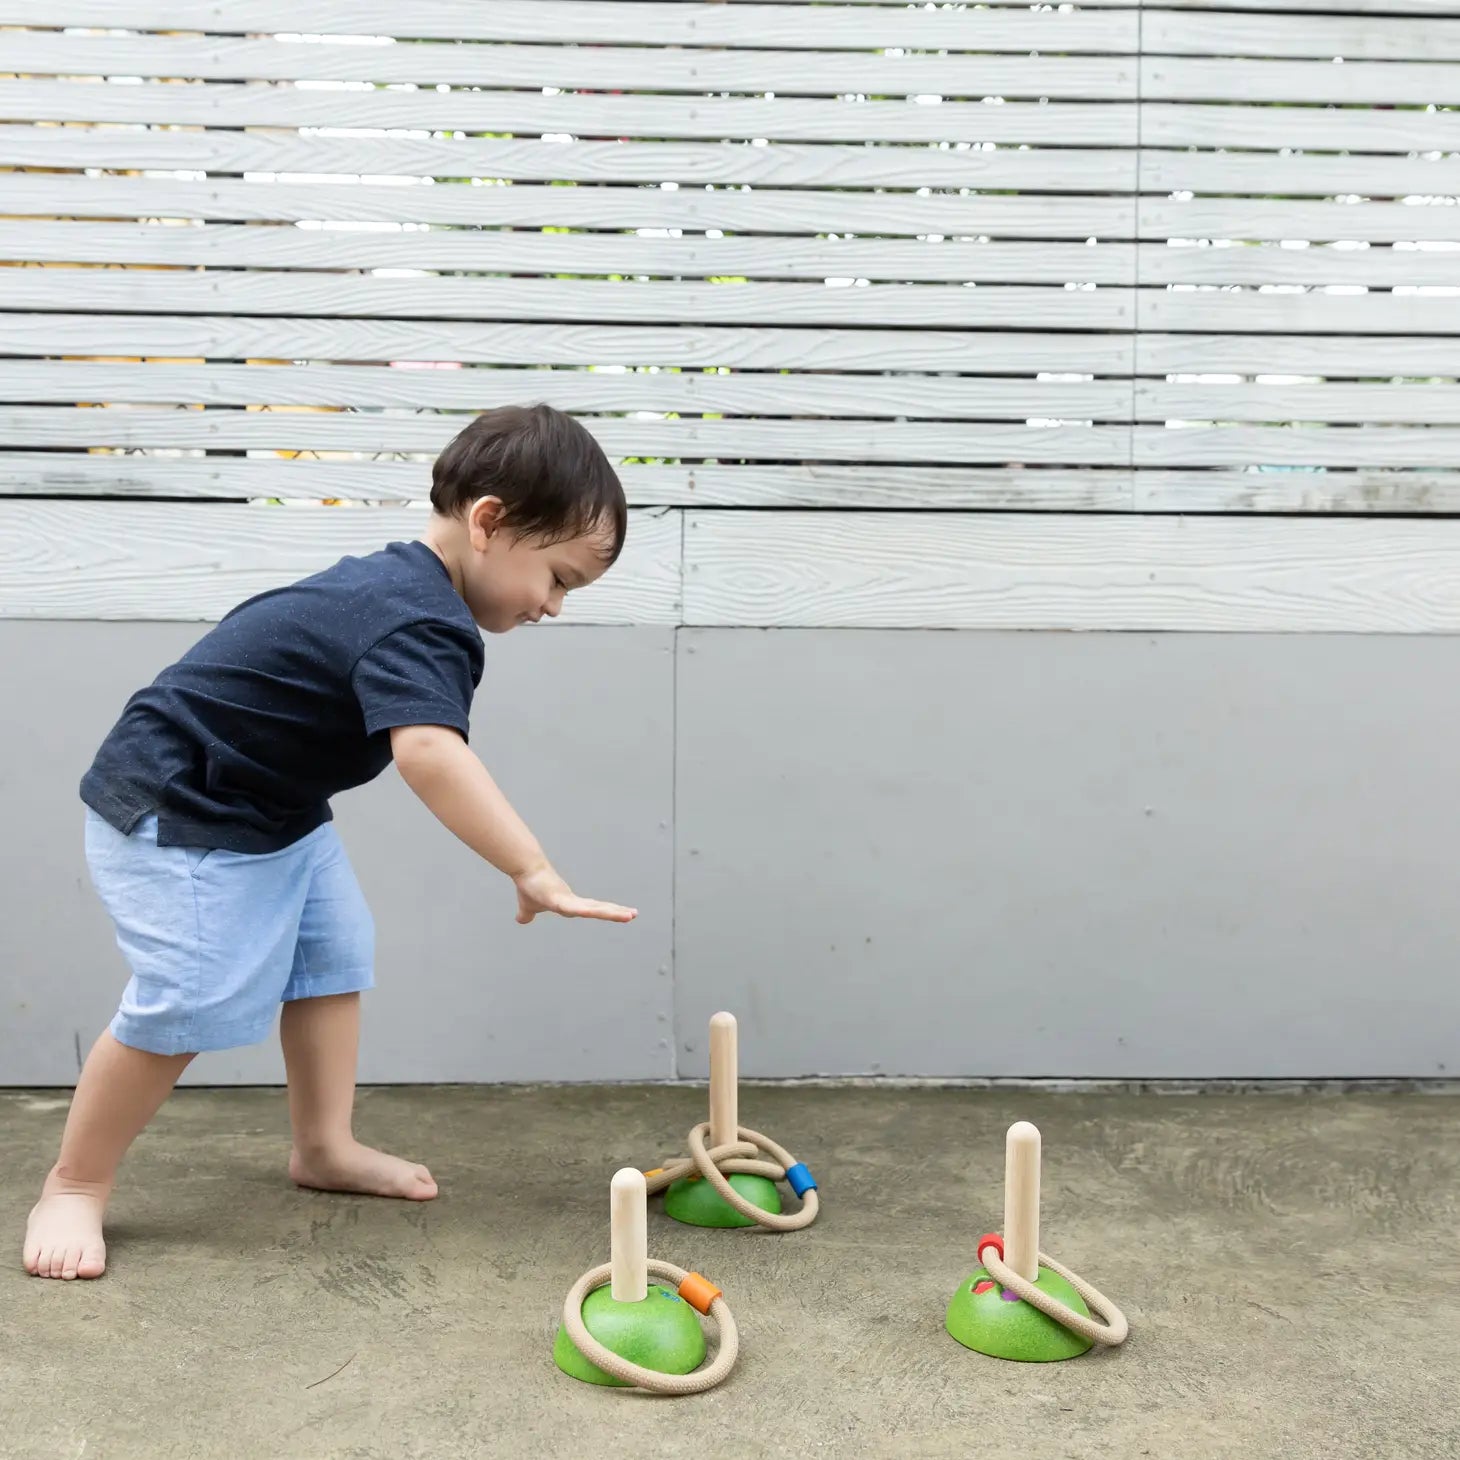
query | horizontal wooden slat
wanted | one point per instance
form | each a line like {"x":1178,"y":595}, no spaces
{"x":1270,"y":263}
{"x":222,"y":12}
{"x":849,"y":441}
{"x":1125,"y":573}
{"x":1354,"y":493}
{"x":1321,"y":128}
{"x":125,"y":560}
{"x":1078,"y":170}
{"x":370,"y":297}
{"x":1392,"y":39}
{"x":1162,"y":124}
{"x":1026,"y":489}
{"x":786,"y":119}
{"x":1360,"y":357}
{"x":1385,"y":8}
{"x":802,"y":73}
{"x":226,"y":337}
{"x":1434,"y":446}
{"x":758,"y":393}
{"x":285,"y":246}
{"x":1029,"y":489}
{"x":767,"y":210}
{"x":1297,"y":175}
{"x":182,"y":561}
{"x":216,"y":478}
{"x":1259,"y":218}
{"x":1225,"y":310}
{"x":603,"y":22}
{"x":1163,"y":400}
{"x":991,"y":306}
{"x":1415,"y":83}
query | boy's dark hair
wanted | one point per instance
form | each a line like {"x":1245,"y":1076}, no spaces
{"x":552,"y":476}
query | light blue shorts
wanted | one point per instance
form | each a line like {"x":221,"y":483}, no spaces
{"x":217,"y":940}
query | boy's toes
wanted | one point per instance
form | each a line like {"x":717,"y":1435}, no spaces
{"x":63,"y":1237}
{"x":73,"y":1262}
{"x":423,"y":1184}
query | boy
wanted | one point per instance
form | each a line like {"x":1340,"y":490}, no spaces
{"x":208,"y":829}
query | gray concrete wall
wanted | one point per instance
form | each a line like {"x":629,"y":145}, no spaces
{"x":1056,"y":854}
{"x":576,"y":725}
{"x":931,"y":853}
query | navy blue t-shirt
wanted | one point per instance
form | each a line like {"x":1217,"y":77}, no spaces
{"x":290,"y":699}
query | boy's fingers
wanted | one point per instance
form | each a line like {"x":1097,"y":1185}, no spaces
{"x":609,"y":912}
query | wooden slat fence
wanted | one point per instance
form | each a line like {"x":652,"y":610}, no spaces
{"x":1160,"y":285}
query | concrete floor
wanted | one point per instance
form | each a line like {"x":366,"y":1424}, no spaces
{"x":1287,"y":1264}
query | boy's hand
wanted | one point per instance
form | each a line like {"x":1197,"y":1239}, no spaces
{"x":542,"y":890}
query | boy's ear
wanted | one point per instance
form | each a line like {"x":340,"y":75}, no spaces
{"x":483,"y":519}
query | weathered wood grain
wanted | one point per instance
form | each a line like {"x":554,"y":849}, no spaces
{"x":484,"y":251}
{"x":586,"y":114}
{"x":848,"y":441}
{"x":770,"y":210}
{"x":951,"y":306}
{"x":1123,"y":573}
{"x":1226,"y":310}
{"x":1363,"y":492}
{"x":803,"y":73}
{"x":1313,"y":264}
{"x":1322,"y":128}
{"x":1265,"y":218}
{"x":1335,"y":402}
{"x":1299,"y":174}
{"x":687,"y":164}
{"x":172,"y":560}
{"x":1357,"y":357}
{"x":1378,"y":446}
{"x":1394,"y":38}
{"x":230,"y":337}
{"x":603,"y":22}
{"x":937,"y":488}
{"x":1388,"y":83}
{"x":764,"y":394}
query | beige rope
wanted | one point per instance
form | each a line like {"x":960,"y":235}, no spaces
{"x":651,"y":1379}
{"x":737,"y":1158}
{"x":1111,"y":1332}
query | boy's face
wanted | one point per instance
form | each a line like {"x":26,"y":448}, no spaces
{"x":511,"y":580}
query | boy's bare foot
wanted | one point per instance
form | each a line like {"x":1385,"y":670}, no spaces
{"x":354,"y":1167}
{"x":63,"y":1236}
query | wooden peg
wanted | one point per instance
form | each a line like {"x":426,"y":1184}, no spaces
{"x":1021,"y":1199}
{"x":724,"y":1080}
{"x":628,"y":1230}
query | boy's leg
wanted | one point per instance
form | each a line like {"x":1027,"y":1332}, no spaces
{"x":334,"y":960}
{"x":209,"y":937}
{"x":119,"y":1091}
{"x":321,"y":1037}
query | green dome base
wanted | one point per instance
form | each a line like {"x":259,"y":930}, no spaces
{"x":662,"y":1332}
{"x":989,"y":1324}
{"x":695,"y":1202}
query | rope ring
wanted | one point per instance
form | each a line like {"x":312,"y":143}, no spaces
{"x":631,"y":1373}
{"x":737,"y":1158}
{"x":1113,"y":1331}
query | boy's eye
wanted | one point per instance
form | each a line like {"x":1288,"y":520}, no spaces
{"x":559,"y":582}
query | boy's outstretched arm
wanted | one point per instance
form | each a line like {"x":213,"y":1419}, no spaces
{"x":439,"y":766}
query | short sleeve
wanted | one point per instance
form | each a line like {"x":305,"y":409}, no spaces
{"x":423,"y":674}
